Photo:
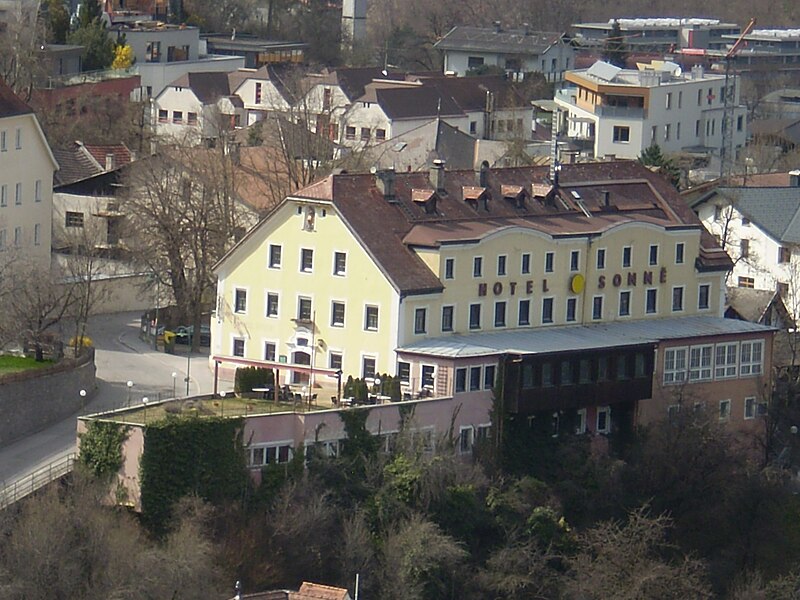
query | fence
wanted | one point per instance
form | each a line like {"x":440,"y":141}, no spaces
{"x":21,"y":488}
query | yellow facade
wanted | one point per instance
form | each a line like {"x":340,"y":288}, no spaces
{"x":361,"y":285}
{"x":537,"y":284}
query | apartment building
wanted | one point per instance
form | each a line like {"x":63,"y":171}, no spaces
{"x":609,"y":111}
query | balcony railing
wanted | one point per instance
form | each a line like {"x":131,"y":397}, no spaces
{"x":570,"y":96}
{"x":88,"y":77}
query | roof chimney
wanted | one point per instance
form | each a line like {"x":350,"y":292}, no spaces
{"x":526,"y":27}
{"x":483,"y":175}
{"x":497,"y":27}
{"x":110,"y":161}
{"x":606,"y":199}
{"x":794,"y":178}
{"x":437,"y":175}
{"x":384,"y":181}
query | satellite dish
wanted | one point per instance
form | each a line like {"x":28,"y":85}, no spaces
{"x":678,"y":72}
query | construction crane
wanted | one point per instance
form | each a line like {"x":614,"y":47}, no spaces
{"x":726,"y":151}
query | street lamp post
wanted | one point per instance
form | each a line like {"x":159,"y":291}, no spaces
{"x":222,"y":398}
{"x":145,"y":400}
{"x":338,"y":386}
{"x":189,"y":362}
{"x":305,"y":394}
{"x":174,"y":375}
{"x":130,"y":388}
{"x":83,"y":398}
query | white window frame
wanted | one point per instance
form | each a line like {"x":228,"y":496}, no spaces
{"x":629,"y":251}
{"x":270,"y":264}
{"x":707,"y":287}
{"x":466,"y":433}
{"x":580,"y":426}
{"x":461,"y":371}
{"x":333,"y":313}
{"x":272,"y":343}
{"x":236,"y":292}
{"x":424,"y":311}
{"x":477,"y":261}
{"x":452,"y":262}
{"x":502,"y":258}
{"x":37,"y":190}
{"x":266,"y":305}
{"x":647,"y":293}
{"x":701,"y":363}
{"x":235,"y":339}
{"x":751,"y":367}
{"x":630,"y":303}
{"x":750,"y":408}
{"x":600,"y":297}
{"x":728,"y":368}
{"x":600,"y":264}
{"x":724,"y":413}
{"x":675,"y":365}
{"x":302,"y":252}
{"x":682,"y":307}
{"x":336,"y":272}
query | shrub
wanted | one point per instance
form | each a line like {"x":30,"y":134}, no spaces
{"x":82,"y":341}
{"x":248,"y":378}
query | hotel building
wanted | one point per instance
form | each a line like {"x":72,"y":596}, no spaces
{"x":595,"y":299}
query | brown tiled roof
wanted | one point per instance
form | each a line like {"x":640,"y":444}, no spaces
{"x":316,"y":591}
{"x":389,"y":227}
{"x":121,"y":153}
{"x":82,"y":161}
{"x":74,"y":166}
{"x":353,"y":80}
{"x":10,"y":104}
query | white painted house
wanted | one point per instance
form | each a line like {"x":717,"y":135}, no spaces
{"x":619,"y":112}
{"x":760,"y":229}
{"x":485,"y":107}
{"x":262,"y":91}
{"x":26,"y":180}
{"x":197,"y":107}
{"x":515,"y":51}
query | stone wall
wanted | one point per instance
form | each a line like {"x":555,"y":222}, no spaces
{"x":33,"y":400}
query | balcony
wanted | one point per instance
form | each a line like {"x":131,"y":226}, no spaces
{"x":620,"y":112}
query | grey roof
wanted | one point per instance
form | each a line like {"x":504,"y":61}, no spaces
{"x":776,"y":210}
{"x":750,"y":303}
{"x":488,"y":39}
{"x":548,"y":340}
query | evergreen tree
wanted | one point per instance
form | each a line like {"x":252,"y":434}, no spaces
{"x":615,"y":50}
{"x":57,"y":21}
{"x":98,"y":52}
{"x":653,"y":157}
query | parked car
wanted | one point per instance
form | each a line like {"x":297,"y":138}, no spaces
{"x":184,"y":332}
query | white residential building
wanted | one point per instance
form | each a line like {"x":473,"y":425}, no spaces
{"x":26,"y":180}
{"x":262,"y":91}
{"x":759,"y":227}
{"x":614,"y":112}
{"x":516,"y":51}
{"x":197,"y":107}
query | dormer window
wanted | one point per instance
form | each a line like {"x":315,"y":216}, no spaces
{"x":515,"y":194}
{"x":475,"y":194}
{"x":426,"y":198}
{"x":541,"y":190}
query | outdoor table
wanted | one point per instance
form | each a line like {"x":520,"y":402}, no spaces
{"x":263,"y":390}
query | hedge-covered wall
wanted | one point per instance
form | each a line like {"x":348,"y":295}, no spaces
{"x":201,"y":456}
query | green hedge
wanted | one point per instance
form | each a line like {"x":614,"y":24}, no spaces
{"x":248,"y":378}
{"x":202,"y":456}
{"x":359,"y":388}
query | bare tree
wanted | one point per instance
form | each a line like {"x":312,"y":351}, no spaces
{"x":183,"y":215}
{"x":21,"y":43}
{"x":625,"y":561}
{"x":36,"y":301}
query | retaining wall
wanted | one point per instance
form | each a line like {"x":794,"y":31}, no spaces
{"x":34,"y":400}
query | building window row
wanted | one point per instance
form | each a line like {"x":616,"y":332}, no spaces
{"x":17,"y":139}
{"x":478,"y":267}
{"x":269,"y":454}
{"x":586,"y":370}
{"x":475,"y":378}
{"x":713,"y":361}
{"x":275,"y":258}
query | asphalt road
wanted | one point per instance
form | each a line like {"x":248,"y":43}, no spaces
{"x":120,"y":357}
